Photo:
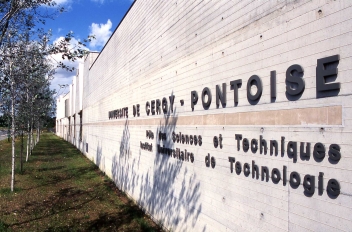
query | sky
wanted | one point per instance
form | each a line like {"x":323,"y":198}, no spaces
{"x":85,"y":17}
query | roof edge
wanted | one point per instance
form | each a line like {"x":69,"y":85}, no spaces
{"x":113,"y":33}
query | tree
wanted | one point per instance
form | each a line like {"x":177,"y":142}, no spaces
{"x":25,"y":69}
{"x":12,"y":11}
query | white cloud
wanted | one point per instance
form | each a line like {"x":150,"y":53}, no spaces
{"x":60,"y":2}
{"x":61,"y":80}
{"x":64,"y":77}
{"x":103,"y":1}
{"x":102,"y":33}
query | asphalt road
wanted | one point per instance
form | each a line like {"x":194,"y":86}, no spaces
{"x":3,"y":135}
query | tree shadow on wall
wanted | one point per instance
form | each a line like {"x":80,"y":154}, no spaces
{"x":168,"y":189}
{"x":124,"y":173}
{"x":99,"y":160}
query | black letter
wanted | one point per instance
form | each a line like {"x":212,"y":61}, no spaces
{"x":213,"y":162}
{"x":282,"y":146}
{"x":325,"y":70}
{"x":207,"y":160}
{"x":305,"y":155}
{"x":187,"y":139}
{"x":231,"y":160}
{"x":262,"y":143}
{"x":295,"y":180}
{"x":255,"y":170}
{"x":292,"y":150}
{"x":254,"y":145}
{"x":245,"y":145}
{"x":273,"y":84}
{"x":238,"y":137}
{"x":153,"y":107}
{"x":194,"y":99}
{"x":266,"y":171}
{"x":174,"y":136}
{"x":235,"y":85}
{"x":147,"y":110}
{"x":334,"y":152}
{"x":164,"y":103}
{"x":158,"y":106}
{"x":319,"y":152}
{"x":333,"y":188}
{"x":200,"y":140}
{"x":238,"y":168}
{"x":275,"y":175}
{"x":294,"y":76}
{"x":221,"y":97}
{"x":215,"y":141}
{"x":206,"y":91}
{"x":258,"y":83}
{"x":220,"y":140}
{"x":246,"y":169}
{"x":320,"y":183}
{"x":273,"y":144}
{"x":309,"y":185}
{"x":172,"y":99}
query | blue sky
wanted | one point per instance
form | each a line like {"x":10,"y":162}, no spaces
{"x":85,"y":17}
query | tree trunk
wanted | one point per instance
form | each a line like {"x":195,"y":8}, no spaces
{"x":28,"y":141}
{"x":28,"y":132}
{"x":31,"y":138}
{"x":13,"y":133}
{"x":8,"y":130}
{"x":22,"y":151}
{"x":38,"y":131}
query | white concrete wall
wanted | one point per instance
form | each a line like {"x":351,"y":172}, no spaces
{"x":79,"y":87}
{"x":171,"y":48}
{"x":62,"y":121}
{"x":73,"y":119}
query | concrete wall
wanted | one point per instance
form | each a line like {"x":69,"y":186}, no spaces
{"x":69,"y":126}
{"x":167,"y":49}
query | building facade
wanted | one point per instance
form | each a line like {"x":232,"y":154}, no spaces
{"x":223,"y":115}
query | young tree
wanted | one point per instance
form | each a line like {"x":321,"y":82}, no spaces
{"x":24,"y":85}
{"x":10,"y":80}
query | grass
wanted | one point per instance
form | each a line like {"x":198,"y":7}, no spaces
{"x":61,"y":190}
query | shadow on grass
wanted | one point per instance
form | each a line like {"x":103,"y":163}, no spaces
{"x":48,"y":178}
{"x":3,"y":226}
{"x":6,"y":191}
{"x":57,"y":204}
{"x":113,"y":222}
{"x":67,"y":194}
{"x":50,"y":168}
{"x":128,"y":213}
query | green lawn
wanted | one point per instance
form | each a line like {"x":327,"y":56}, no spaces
{"x":61,"y":190}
